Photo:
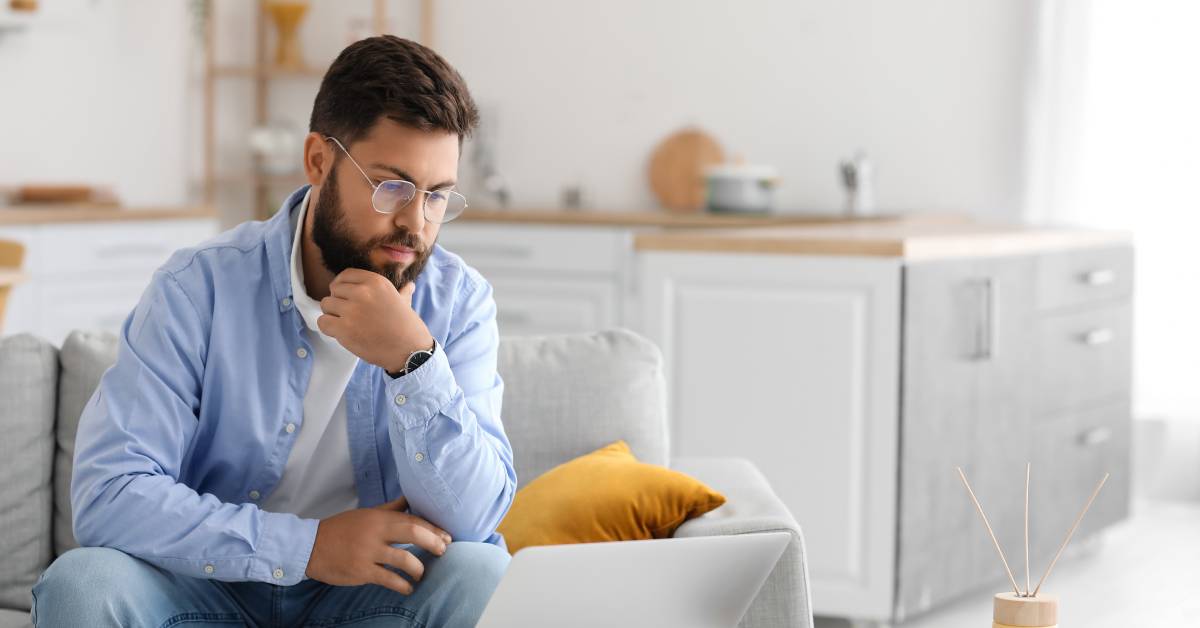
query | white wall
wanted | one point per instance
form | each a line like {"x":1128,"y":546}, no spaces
{"x":578,"y":91}
{"x":932,"y":89}
{"x":97,"y":92}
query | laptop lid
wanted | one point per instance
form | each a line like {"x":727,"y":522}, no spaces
{"x":697,"y":582}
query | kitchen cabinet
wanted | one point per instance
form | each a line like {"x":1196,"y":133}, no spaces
{"x":549,"y":279}
{"x":858,"y":384}
{"x":91,"y":274}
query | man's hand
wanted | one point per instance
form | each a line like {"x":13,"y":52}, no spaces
{"x":352,"y":547}
{"x":370,"y":318}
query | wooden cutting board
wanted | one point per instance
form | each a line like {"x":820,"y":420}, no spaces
{"x":677,"y":166}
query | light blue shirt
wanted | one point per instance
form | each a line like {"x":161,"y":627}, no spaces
{"x":186,"y":433}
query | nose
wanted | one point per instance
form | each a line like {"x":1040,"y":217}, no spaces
{"x":412,"y":215}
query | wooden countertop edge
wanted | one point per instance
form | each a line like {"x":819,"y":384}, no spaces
{"x":911,"y":248}
{"x":653,"y":218}
{"x":25,"y":215}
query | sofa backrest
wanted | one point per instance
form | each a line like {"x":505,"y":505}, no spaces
{"x":565,"y":396}
{"x":28,"y":385}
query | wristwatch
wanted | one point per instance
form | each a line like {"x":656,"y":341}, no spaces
{"x":415,"y":360}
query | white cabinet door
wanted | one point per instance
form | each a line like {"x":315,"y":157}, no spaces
{"x":793,"y":363}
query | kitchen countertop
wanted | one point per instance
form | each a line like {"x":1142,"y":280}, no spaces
{"x":649,"y":218}
{"x":914,"y":239}
{"x":42,"y":214}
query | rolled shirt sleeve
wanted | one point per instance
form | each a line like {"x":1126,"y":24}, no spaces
{"x":453,"y":458}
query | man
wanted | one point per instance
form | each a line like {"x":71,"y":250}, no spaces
{"x":303,"y":422}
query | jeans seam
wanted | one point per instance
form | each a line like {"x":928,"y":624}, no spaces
{"x":357,"y":616}
{"x":181,"y":618}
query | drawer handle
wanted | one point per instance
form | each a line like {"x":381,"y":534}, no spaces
{"x":1097,"y":337}
{"x":1095,"y":436}
{"x":1099,"y":277}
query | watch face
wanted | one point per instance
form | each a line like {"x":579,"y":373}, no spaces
{"x":417,"y":359}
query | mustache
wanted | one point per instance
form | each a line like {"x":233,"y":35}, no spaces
{"x":404,"y":239}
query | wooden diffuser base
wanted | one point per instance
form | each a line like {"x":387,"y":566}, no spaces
{"x":1011,"y":611}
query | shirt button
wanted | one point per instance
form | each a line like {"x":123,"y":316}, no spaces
{"x":400,"y":399}
{"x":254,"y":494}
{"x":302,"y":353}
{"x":291,"y":427}
{"x":278,"y":573}
{"x":285,"y":302}
{"x":419,"y":457}
{"x":209,"y":569}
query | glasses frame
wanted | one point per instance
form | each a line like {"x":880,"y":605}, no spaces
{"x":424,"y":201}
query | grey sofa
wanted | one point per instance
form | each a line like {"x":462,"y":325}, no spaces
{"x":565,"y":396}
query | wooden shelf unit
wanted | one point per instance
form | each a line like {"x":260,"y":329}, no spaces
{"x":262,"y":73}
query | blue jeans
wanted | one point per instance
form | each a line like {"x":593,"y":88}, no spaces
{"x":98,"y":586}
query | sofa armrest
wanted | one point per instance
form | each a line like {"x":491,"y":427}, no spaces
{"x":751,"y":507}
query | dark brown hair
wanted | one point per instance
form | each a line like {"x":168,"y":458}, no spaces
{"x":393,"y":77}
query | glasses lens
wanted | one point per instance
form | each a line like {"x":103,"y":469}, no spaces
{"x":444,"y":206}
{"x":392,"y":195}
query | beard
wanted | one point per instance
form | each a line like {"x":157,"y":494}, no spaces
{"x":339,"y":249}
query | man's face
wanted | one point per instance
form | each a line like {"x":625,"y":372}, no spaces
{"x":347,"y":229}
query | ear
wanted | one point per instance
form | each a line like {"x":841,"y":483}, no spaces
{"x":318,"y":158}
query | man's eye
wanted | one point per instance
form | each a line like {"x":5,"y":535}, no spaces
{"x":439,"y":196}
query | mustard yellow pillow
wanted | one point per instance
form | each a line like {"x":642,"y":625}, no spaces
{"x":606,"y":495}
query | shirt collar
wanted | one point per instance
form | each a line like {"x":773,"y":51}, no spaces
{"x":309,"y":308}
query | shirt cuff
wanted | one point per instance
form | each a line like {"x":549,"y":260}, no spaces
{"x":284,"y":547}
{"x":422,"y":393}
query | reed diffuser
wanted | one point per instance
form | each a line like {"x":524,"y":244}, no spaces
{"x":1028,"y":608}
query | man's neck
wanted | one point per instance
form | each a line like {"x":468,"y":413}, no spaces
{"x":316,"y":277}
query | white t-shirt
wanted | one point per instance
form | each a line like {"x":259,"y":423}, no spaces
{"x":318,"y":479}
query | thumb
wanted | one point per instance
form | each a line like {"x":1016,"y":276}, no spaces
{"x":398,"y":505}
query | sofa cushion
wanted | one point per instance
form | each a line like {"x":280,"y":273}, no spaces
{"x":569,"y":395}
{"x":28,"y":379}
{"x":607,"y":495}
{"x":15,"y":619}
{"x":84,"y":357}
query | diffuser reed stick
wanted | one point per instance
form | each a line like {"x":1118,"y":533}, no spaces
{"x":979,"y":508}
{"x":1071,"y":533}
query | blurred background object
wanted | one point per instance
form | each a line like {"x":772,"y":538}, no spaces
{"x":11,"y":256}
{"x":677,"y":168}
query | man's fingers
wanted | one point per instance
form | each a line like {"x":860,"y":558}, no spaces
{"x":329,"y":325}
{"x":385,"y":577}
{"x":409,"y":529}
{"x":334,"y":305}
{"x":403,"y":560}
{"x":399,"y":505}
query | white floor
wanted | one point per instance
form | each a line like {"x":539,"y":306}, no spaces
{"x":1143,"y":573}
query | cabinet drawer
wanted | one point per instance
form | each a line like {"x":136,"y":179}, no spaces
{"x":116,"y":247}
{"x":1084,"y":276}
{"x":537,"y":248}
{"x":1082,"y":357}
{"x":527,"y":306}
{"x":1071,"y":454}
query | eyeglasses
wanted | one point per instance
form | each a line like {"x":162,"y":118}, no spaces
{"x":441,"y":206}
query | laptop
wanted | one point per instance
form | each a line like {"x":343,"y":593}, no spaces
{"x":698,"y":582}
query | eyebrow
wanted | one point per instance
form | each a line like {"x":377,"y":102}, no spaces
{"x":404,"y":175}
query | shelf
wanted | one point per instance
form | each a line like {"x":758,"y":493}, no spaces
{"x":249,"y":71}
